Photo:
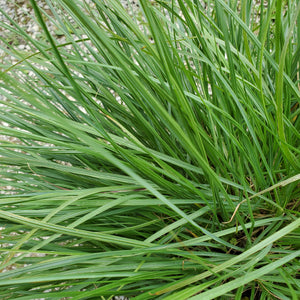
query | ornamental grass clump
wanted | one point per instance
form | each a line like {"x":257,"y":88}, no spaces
{"x":153,"y":155}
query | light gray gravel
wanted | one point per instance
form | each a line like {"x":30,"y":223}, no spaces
{"x":22,"y":13}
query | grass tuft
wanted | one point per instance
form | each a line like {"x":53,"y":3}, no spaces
{"x":152,"y":155}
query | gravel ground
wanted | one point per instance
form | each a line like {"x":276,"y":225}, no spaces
{"x":22,"y":13}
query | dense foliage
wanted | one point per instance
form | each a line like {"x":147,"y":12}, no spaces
{"x":154,"y":154}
